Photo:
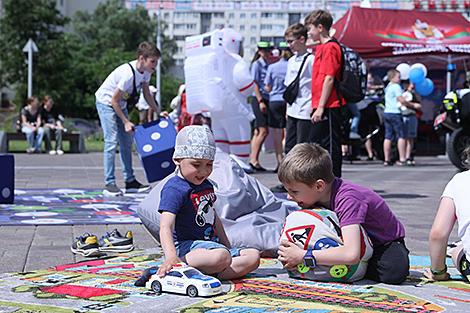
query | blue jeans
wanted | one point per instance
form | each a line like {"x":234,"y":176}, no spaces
{"x":114,"y":134}
{"x":34,"y":138}
{"x":356,"y":116}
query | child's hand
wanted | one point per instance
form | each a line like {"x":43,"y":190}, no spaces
{"x":290,"y":255}
{"x":167,"y":266}
{"x":431,"y":276}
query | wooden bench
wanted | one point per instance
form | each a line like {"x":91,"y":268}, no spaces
{"x":77,"y":143}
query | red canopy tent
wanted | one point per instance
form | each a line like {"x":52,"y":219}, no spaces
{"x":386,"y":37}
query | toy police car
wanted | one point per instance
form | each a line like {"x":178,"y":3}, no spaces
{"x":187,"y":280}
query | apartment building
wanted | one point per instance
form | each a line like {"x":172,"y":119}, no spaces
{"x":255,"y":20}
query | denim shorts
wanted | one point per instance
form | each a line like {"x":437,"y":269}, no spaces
{"x":410,"y":126}
{"x":184,"y":247}
{"x":464,"y":267}
{"x":393,"y":126}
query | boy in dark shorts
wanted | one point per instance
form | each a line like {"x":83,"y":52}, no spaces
{"x":190,"y":230}
{"x":306,"y":172}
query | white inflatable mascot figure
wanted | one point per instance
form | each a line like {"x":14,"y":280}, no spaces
{"x":218,"y":81}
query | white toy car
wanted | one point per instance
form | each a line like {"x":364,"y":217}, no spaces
{"x":187,"y":280}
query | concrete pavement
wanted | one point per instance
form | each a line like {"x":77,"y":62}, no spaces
{"x":413,"y":194}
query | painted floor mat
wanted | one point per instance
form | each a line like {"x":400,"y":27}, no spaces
{"x":107,"y":285}
{"x":69,"y":206}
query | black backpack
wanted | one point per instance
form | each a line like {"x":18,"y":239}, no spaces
{"x":353,"y":82}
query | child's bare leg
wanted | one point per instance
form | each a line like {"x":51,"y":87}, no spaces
{"x":457,"y":255}
{"x":209,"y":261}
{"x":241,"y":265}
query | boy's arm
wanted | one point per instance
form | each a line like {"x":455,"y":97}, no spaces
{"x":167,"y":226}
{"x":348,"y":254}
{"x":325,"y":94}
{"x":151,"y":101}
{"x":223,"y":239}
{"x":440,"y":231}
{"x":413,"y":105}
{"x":117,"y":95}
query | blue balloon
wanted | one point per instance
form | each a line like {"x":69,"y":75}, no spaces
{"x":416,"y":75}
{"x":425,"y":88}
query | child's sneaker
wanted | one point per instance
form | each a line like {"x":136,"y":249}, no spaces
{"x":451,"y":247}
{"x":86,"y":245}
{"x":115,"y":242}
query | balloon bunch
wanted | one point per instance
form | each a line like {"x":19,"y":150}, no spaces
{"x":416,"y":73}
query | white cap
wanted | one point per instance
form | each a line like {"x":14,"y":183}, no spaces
{"x":195,"y":142}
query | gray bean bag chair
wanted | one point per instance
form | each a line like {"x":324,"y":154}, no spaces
{"x":252,"y":216}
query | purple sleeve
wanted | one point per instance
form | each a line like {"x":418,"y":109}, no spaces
{"x":351,"y":211}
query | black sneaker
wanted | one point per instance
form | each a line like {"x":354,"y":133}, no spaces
{"x":86,"y":245}
{"x":278,"y":188}
{"x":115,"y":242}
{"x":135,"y":187}
{"x":112,"y":190}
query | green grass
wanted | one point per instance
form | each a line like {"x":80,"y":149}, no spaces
{"x":21,"y":146}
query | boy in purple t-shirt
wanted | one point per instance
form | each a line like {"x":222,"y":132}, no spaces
{"x":306,"y":172}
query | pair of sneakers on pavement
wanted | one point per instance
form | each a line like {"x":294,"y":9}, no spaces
{"x":134,"y":186}
{"x":89,"y":245}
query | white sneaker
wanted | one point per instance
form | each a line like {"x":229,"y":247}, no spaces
{"x":60,"y":152}
{"x":30,"y":150}
{"x":451,"y":247}
{"x":52,"y":152}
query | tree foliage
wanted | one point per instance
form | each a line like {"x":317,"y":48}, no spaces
{"x":71,"y":66}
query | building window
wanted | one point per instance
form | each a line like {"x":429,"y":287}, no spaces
{"x":179,"y":62}
{"x":253,"y":28}
{"x":278,"y":27}
{"x":253,"y":40}
{"x":242,"y":28}
{"x":231,"y":15}
{"x":180,"y":50}
{"x":266,"y":27}
{"x":219,"y":15}
{"x":206,"y":29}
{"x":242,"y":16}
{"x":184,"y":26}
{"x":230,"y":26}
{"x":179,"y":38}
{"x":254,"y":15}
{"x":219,"y":26}
{"x":253,"y":51}
{"x":166,"y":15}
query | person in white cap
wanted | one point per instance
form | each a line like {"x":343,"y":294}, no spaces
{"x":145,"y":111}
{"x":190,"y":230}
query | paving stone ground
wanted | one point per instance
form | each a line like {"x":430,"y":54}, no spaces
{"x":413,"y":194}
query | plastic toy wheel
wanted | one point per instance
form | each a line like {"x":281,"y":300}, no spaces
{"x":192,"y":291}
{"x":157,"y":287}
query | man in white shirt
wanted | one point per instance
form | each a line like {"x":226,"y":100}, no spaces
{"x":111,"y":102}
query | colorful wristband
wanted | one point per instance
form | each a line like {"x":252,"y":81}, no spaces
{"x":438,"y":272}
{"x":259,"y":101}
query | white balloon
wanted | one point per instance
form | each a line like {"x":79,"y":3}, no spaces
{"x":421,"y":66}
{"x":404,"y":70}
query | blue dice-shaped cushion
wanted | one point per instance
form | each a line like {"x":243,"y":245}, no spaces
{"x":7,"y":178}
{"x":155,"y":144}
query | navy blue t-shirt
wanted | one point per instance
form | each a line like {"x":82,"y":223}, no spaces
{"x":193,"y":206}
